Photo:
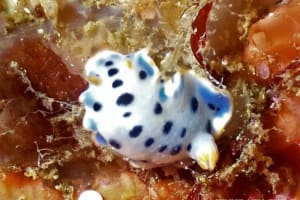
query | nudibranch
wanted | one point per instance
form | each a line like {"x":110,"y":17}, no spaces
{"x":148,"y":120}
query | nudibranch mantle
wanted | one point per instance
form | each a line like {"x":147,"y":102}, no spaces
{"x":148,"y":120}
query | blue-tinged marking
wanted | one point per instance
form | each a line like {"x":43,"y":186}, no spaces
{"x":109,"y":61}
{"x":130,"y":55}
{"x":145,"y":65}
{"x":116,"y":56}
{"x":92,"y":126}
{"x":100,"y":139}
{"x":88,"y":100}
{"x":219,"y":100}
{"x":100,"y":62}
{"x":180,"y":86}
{"x":162,"y":96}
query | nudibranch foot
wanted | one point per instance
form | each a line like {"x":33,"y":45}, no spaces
{"x":142,"y":164}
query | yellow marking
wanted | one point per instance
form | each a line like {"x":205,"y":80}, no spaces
{"x":183,"y":69}
{"x":208,"y":161}
{"x":94,"y":80}
{"x":129,"y":64}
{"x":152,"y":63}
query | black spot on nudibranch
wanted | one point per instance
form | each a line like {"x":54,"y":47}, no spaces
{"x":127,"y":114}
{"x":162,"y":148}
{"x":175,"y":150}
{"x":189,"y":147}
{"x":211,"y":106}
{"x":208,"y":126}
{"x":109,"y":63}
{"x":112,"y":71}
{"x":149,"y":142}
{"x":142,"y":75}
{"x":125,"y":99}
{"x":97,"y":106}
{"x":183,"y":132}
{"x":136,"y":131}
{"x":114,"y":143}
{"x":157,"y":108}
{"x":167,"y":127}
{"x":117,"y":83}
{"x":194,"y":104}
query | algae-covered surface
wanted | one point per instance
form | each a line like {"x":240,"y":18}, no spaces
{"x":46,"y":154}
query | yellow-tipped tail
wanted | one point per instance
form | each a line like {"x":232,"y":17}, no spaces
{"x":208,"y":160}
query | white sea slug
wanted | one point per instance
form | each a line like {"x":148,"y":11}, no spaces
{"x":147,"y":120}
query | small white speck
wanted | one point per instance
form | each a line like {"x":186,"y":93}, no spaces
{"x":40,"y":31}
{"x":13,"y":65}
{"x":27,"y":10}
{"x":224,"y":61}
{"x":90,"y":195}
